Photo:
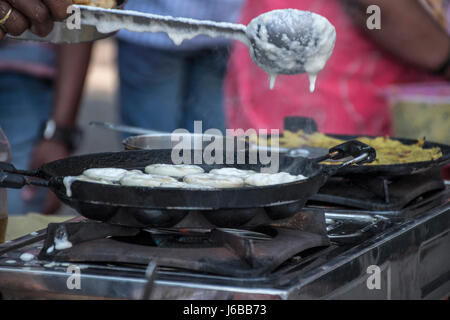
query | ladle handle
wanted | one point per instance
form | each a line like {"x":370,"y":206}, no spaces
{"x":9,"y":168}
{"x":110,"y":20}
{"x":125,"y":129}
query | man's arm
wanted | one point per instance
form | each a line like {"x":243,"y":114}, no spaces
{"x":73,"y":63}
{"x":407,"y":31}
{"x":16,"y":16}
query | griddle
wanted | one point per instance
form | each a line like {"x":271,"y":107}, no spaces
{"x":309,"y":126}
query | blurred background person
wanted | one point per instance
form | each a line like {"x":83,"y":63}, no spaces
{"x":409,"y":48}
{"x":166,"y":87}
{"x":40,"y":93}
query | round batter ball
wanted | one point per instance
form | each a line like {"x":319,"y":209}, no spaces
{"x":173,"y":170}
{"x":145,"y":180}
{"x":198,"y":187}
{"x":174,"y":185}
{"x":214,"y":180}
{"x":233,"y":172}
{"x":108,"y":174}
{"x":267,"y":179}
{"x":86,"y":179}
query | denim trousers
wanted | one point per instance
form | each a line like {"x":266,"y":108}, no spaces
{"x":25,"y":102}
{"x":166,"y":90}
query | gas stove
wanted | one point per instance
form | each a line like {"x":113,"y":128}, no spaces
{"x":327,"y":251}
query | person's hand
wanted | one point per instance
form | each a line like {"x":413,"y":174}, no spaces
{"x":44,"y":152}
{"x":16,"y":16}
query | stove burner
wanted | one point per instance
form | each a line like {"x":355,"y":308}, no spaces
{"x":229,"y":252}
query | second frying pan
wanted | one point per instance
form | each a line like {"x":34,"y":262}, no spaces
{"x":308,"y":125}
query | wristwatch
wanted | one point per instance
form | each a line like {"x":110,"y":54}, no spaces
{"x":70,"y":137}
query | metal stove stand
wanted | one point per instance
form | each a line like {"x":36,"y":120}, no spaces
{"x":409,"y":250}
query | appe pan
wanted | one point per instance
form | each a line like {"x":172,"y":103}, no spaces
{"x":165,"y":207}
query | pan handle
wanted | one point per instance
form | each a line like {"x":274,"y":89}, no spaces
{"x":12,"y":178}
{"x":360,"y":152}
{"x":8,"y":167}
{"x":12,"y":181}
{"x":17,"y":181}
{"x":355,"y":149}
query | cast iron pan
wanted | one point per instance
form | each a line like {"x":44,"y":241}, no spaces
{"x":165,"y":207}
{"x":309,"y":126}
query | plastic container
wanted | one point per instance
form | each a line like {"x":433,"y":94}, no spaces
{"x":421,"y":110}
{"x":5,"y":155}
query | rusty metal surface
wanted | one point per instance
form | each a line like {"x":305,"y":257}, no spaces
{"x":217,"y":251}
{"x":407,"y":253}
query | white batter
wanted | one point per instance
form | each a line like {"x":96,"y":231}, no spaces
{"x":214,"y":180}
{"x":267,"y":179}
{"x":174,"y":185}
{"x":68,"y":181}
{"x":233,"y":172}
{"x":198,"y":187}
{"x":183,"y":185}
{"x":172,"y":170}
{"x":317,"y":51}
{"x":146,"y":180}
{"x":62,"y":243}
{"x":26,"y":257}
{"x":107,"y":174}
{"x":314,"y":54}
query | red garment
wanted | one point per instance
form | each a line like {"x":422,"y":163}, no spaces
{"x":347,"y":99}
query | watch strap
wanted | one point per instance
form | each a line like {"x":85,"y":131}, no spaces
{"x":70,"y":137}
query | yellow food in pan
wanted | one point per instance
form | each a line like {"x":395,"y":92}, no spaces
{"x":107,"y":4}
{"x":388,"y":151}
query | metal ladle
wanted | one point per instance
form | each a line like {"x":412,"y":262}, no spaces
{"x":163,"y":140}
{"x":279,"y":41}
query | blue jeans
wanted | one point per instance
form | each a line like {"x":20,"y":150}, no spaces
{"x":25,"y":102}
{"x":167,"y":90}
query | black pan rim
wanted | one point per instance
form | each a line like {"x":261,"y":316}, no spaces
{"x":144,"y":207}
{"x":44,"y":173}
{"x":181,"y":208}
{"x":153,"y":198}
